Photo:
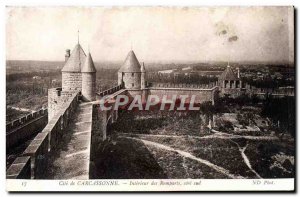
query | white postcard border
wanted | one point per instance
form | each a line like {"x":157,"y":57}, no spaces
{"x":140,"y":185}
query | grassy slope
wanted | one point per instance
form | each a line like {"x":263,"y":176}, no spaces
{"x":221,"y":152}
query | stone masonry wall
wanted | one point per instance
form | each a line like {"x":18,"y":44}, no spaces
{"x":46,"y":142}
{"x":132,"y":80}
{"x":120,"y":78}
{"x":71,"y":81}
{"x":89,"y":86}
{"x":25,"y":120}
{"x":21,"y":129}
{"x":98,"y":134}
{"x":56,"y":99}
{"x":201,"y":95}
{"x":20,"y":169}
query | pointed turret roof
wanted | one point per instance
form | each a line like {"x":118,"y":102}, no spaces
{"x":143,"y":68}
{"x":88,"y":66}
{"x":228,"y":74}
{"x":131,"y":64}
{"x":75,"y":61}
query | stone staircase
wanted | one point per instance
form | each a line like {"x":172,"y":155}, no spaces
{"x":72,"y":162}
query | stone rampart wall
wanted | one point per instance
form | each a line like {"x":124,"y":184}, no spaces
{"x":47,"y":141}
{"x":179,"y":85}
{"x":23,"y":128}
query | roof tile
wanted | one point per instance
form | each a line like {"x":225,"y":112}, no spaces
{"x":228,"y":74}
{"x":75,"y":61}
{"x":131,"y":64}
{"x":89,"y":66}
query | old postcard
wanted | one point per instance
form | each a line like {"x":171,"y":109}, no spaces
{"x":150,"y":99}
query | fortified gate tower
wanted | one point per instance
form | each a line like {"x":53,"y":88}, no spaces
{"x":71,"y":72}
{"x":132,"y":74}
{"x":78,"y":75}
{"x":230,"y":83}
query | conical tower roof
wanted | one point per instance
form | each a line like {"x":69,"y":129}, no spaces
{"x":89,"y":66}
{"x":228,"y":74}
{"x":75,"y":61}
{"x":131,"y":64}
{"x":143,"y":68}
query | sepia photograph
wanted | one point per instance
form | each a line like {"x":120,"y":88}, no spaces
{"x":161,"y":98}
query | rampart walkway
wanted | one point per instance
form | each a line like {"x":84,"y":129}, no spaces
{"x":73,"y":161}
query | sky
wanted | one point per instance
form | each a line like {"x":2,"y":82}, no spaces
{"x":156,"y":34}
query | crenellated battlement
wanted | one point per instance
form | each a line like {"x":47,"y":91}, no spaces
{"x":25,"y":119}
{"x":110,"y":91}
{"x":189,"y":86}
{"x":45,"y":142}
{"x":25,"y":127}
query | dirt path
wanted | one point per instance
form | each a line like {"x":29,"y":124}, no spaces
{"x":188,"y":155}
{"x":218,"y":135}
{"x":248,"y":137}
{"x":246,"y":159}
{"x":21,"y":109}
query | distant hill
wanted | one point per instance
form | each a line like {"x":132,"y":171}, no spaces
{"x":20,"y":66}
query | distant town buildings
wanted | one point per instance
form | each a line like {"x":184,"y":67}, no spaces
{"x":230,"y":83}
{"x":79,"y":75}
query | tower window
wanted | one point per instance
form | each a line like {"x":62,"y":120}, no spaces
{"x":132,"y":74}
{"x":132,"y":84}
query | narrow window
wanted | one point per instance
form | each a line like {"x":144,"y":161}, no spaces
{"x":132,"y":84}
{"x":132,"y":74}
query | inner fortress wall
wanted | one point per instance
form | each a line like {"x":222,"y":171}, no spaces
{"x":201,"y":95}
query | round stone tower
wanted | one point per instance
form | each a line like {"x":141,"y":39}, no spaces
{"x":71,"y":72}
{"x":89,"y":79}
{"x":143,"y":73}
{"x":130,"y":73}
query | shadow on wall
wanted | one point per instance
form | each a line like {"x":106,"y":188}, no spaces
{"x":54,"y":171}
{"x":136,"y":126}
{"x":121,"y":158}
